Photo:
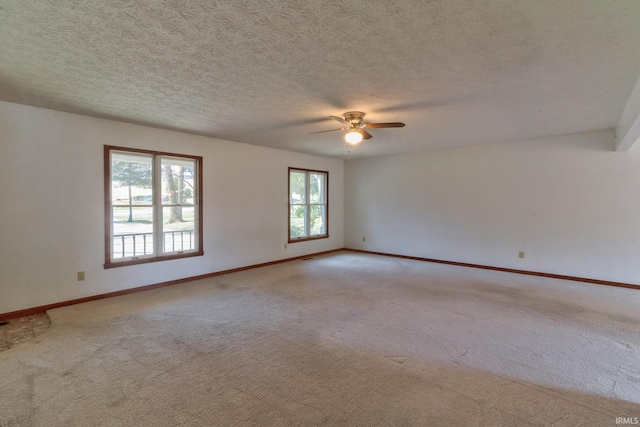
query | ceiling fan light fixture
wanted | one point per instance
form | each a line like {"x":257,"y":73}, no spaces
{"x":353,"y":137}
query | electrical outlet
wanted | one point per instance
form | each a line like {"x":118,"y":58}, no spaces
{"x":521,"y":254}
{"x":364,"y":239}
{"x":80,"y":276}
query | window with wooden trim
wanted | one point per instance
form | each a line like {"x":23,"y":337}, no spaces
{"x":308,"y":204}
{"x":153,"y":206}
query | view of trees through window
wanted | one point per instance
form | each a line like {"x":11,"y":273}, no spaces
{"x":153,"y":204}
{"x":307,"y":204}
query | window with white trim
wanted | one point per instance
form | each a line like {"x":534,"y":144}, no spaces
{"x":308,"y":204}
{"x":153,"y":206}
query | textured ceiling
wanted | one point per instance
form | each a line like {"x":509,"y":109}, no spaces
{"x":269,"y":72}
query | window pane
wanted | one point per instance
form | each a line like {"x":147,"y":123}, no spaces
{"x":178,"y":178}
{"x":132,"y":232}
{"x":317,"y":185}
{"x":297,"y":183}
{"x":131,"y":179}
{"x":317,"y":222}
{"x":297,"y":215}
{"x":178,"y":229}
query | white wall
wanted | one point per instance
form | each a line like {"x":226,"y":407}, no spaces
{"x":570,"y":203}
{"x":52,"y":214}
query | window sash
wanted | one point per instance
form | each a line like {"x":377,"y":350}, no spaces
{"x":158,"y":242}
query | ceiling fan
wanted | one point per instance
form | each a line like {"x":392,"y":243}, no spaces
{"x":357,"y":128}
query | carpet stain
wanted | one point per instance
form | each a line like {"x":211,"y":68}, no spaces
{"x":336,"y":336}
{"x":398,"y":359}
{"x":569,"y":420}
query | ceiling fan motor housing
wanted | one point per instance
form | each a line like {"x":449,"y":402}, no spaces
{"x":354,"y":117}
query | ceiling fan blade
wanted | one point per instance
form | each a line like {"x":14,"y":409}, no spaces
{"x":385,"y":125}
{"x":365,"y":134}
{"x":323,"y":131}
{"x":340,"y":119}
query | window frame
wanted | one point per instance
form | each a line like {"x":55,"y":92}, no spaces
{"x":157,"y":206}
{"x":308,"y":205}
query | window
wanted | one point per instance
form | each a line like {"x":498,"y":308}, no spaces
{"x":153,"y":206}
{"x":308,"y":204}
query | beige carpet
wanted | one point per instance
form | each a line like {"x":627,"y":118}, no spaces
{"x":343,"y":339}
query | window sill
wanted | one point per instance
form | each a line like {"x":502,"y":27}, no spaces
{"x":115,"y":264}
{"x":306,"y":239}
